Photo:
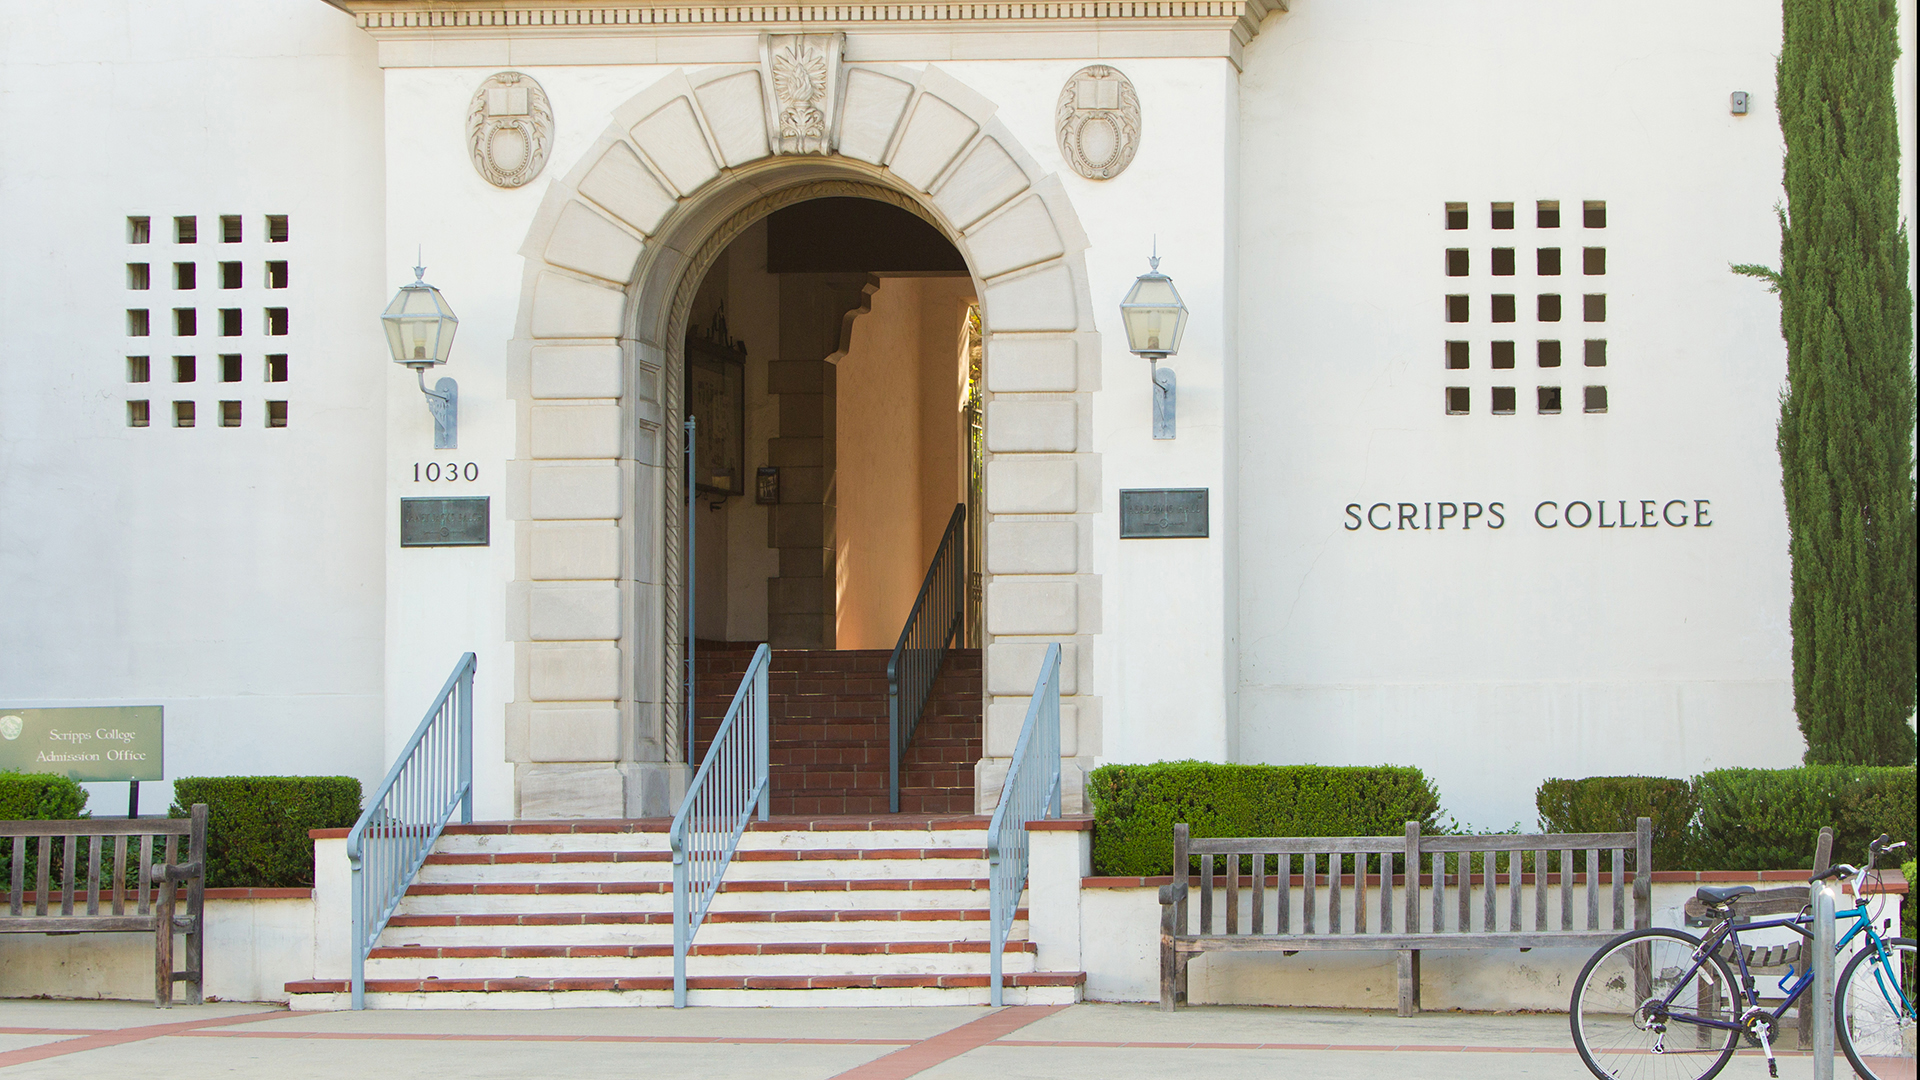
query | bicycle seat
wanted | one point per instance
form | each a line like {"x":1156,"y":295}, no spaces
{"x":1721,"y":895}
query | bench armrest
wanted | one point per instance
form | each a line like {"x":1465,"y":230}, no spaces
{"x":1173,"y":893}
{"x":178,"y":871}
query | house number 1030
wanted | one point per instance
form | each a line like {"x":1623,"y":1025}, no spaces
{"x":433,"y":472}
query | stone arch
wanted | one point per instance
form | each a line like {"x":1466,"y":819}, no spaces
{"x":612,"y":259}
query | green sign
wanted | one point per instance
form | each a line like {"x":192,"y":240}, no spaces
{"x":119,"y":742}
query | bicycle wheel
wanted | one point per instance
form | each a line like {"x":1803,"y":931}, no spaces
{"x":1873,"y":1011}
{"x":1622,"y":1030}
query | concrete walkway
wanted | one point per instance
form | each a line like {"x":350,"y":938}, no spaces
{"x":99,"y":1038}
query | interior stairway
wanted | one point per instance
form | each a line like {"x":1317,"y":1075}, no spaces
{"x":830,"y":729}
{"x":882,"y":910}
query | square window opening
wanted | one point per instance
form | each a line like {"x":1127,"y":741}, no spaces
{"x":1596,"y":352}
{"x":1503,"y":398}
{"x":1456,"y":215}
{"x":1502,"y":215}
{"x":1548,"y":353}
{"x":276,"y":414}
{"x":183,"y":414}
{"x":277,"y":322}
{"x":1502,"y":354}
{"x":1593,"y":261}
{"x":1459,"y":401}
{"x":1502,"y":262}
{"x":139,"y":369}
{"x":277,"y":367}
{"x":230,"y":367}
{"x":1594,"y":214}
{"x":138,"y":414}
{"x":1456,"y":356}
{"x":276,"y":228}
{"x":138,"y":276}
{"x":1596,"y":399}
{"x":1456,"y":262}
{"x":184,"y":277}
{"x":229,"y":228}
{"x":1547,"y":214}
{"x":137,"y":324}
{"x":1549,"y":400}
{"x":1595,"y":307}
{"x":230,"y":322}
{"x":1456,"y":309}
{"x":230,"y":275}
{"x":1546,"y":262}
{"x":139,"y":230}
{"x":186,"y":230}
{"x":1503,"y":308}
{"x":186,"y":322}
{"x":184,"y":368}
{"x":1547,"y":308}
{"x":277,"y":275}
{"x":229,"y":414}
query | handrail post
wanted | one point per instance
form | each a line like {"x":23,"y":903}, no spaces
{"x":359,"y":976}
{"x":762,"y":709}
{"x":682,"y":933}
{"x":463,"y":743}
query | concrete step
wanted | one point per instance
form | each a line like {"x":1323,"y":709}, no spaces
{"x":560,"y":962}
{"x":657,"y":896}
{"x":567,"y":929}
{"x":1038,"y":988}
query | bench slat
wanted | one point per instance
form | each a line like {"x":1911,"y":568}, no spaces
{"x":1539,"y":890}
{"x":1593,"y":889}
{"x":145,"y":874}
{"x":1516,"y":868}
{"x":1309,"y":888}
{"x":1576,"y":939}
{"x":1333,"y":893}
{"x":1566,"y":889}
{"x":1508,"y":842}
{"x":1386,"y":893}
{"x":19,"y":885}
{"x":66,"y":876}
{"x":120,"y":875}
{"x":1283,"y":922}
{"x":1206,"y":894}
{"x":93,"y":875}
{"x":1233,"y":894}
{"x":1412,"y":922}
{"x":1259,"y":894}
{"x":40,"y":877}
{"x":55,"y":924}
{"x":1619,"y":889}
{"x":99,"y":827}
{"x":1287,"y":845}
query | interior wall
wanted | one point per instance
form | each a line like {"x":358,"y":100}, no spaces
{"x":899,"y":468}
{"x":753,"y":316}
{"x":710,"y":525}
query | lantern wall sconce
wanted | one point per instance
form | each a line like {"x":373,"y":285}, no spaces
{"x":420,"y":327}
{"x":1155,"y":319}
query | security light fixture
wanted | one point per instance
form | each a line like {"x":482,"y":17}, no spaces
{"x":1155,"y":318}
{"x":420,"y":327}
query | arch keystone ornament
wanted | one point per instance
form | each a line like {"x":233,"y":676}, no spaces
{"x":802,"y":75}
{"x":509,"y":129}
{"x":1099,"y":122}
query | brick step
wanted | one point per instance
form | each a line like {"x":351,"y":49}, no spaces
{"x":439,"y":934}
{"x":665,"y":887}
{"x":428,"y":901}
{"x":728,"y":982}
{"x":740,"y":855}
{"x":781,"y":948}
{"x":775,"y":964}
{"x":665,"y":918}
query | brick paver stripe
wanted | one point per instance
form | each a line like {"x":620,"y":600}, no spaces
{"x":947,"y":1045}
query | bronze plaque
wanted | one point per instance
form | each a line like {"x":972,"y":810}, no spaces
{"x":444,"y":522}
{"x":1163,"y":513}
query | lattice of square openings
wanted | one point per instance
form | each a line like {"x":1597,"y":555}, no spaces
{"x":1502,"y":215}
{"x":1456,"y":215}
{"x":277,"y":367}
{"x":139,"y":230}
{"x":229,"y":228}
{"x":1596,"y":352}
{"x":183,"y":414}
{"x":1459,"y":401}
{"x":184,"y":368}
{"x":183,"y":276}
{"x":230,"y":322}
{"x":138,"y":414}
{"x":1595,"y":307}
{"x":277,"y":322}
{"x":1596,"y":399}
{"x":276,"y":228}
{"x":229,"y":414}
{"x":277,"y":275}
{"x":186,"y":322}
{"x":1456,"y":356}
{"x":1456,"y":262}
{"x":1549,"y":399}
{"x":1548,"y":353}
{"x":230,"y":367}
{"x":1456,"y":309}
{"x":138,"y":276}
{"x":137,"y":322}
{"x":1502,"y":354}
{"x":1547,"y":307}
{"x":186,"y":230}
{"x":1502,"y":308}
{"x":1546,"y":214}
{"x":230,"y":275}
{"x":139,"y":369}
{"x":1593,"y":261}
{"x":1502,"y":262}
{"x":1546,"y":262}
{"x":1503,"y":401}
{"x":1594,"y":214}
{"x":276,"y":414}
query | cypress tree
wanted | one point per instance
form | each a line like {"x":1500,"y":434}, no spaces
{"x":1847,"y":417}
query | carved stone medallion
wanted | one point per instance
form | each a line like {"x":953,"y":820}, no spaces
{"x":802,"y":76}
{"x":1099,"y":122}
{"x":509,"y":129}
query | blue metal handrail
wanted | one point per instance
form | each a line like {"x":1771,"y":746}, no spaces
{"x":1031,"y":792}
{"x":431,"y":779}
{"x":937,"y":620}
{"x":730,"y":786}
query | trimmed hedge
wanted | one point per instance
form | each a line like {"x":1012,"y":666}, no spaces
{"x":1770,"y":819}
{"x":1614,"y":803}
{"x":38,"y":797}
{"x":257,"y":825}
{"x":1136,"y":806}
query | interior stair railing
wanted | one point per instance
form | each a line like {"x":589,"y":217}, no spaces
{"x":938,"y":619}
{"x":1031,"y":792}
{"x":431,"y":780}
{"x":730,"y":786}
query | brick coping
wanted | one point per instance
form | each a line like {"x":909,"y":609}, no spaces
{"x":1892,"y":881}
{"x":801,"y":823}
{"x":80,"y":895}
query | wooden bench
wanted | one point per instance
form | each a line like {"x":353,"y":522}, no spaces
{"x":1332,"y":868}
{"x":99,"y":889}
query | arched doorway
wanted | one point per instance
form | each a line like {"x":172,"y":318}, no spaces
{"x":614,"y":262}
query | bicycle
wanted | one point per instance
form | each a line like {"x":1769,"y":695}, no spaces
{"x":1648,"y":986}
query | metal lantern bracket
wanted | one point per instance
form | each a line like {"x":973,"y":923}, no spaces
{"x":1163,"y":402}
{"x":443,"y":401}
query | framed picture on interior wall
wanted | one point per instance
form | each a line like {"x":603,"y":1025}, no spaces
{"x":717,"y":400}
{"x":766,"y":487}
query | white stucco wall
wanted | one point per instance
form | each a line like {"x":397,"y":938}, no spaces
{"x":233,"y":576}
